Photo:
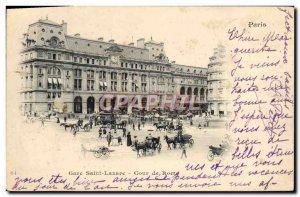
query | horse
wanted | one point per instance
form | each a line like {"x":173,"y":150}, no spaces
{"x":66,"y":125}
{"x":138,"y":147}
{"x":160,"y":126}
{"x":172,"y":140}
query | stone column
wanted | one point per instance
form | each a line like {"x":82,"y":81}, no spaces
{"x":45,"y":78}
{"x":119,"y":81}
{"x":108,"y":80}
{"x":35,"y":76}
{"x":129,"y":84}
{"x":84,"y":80}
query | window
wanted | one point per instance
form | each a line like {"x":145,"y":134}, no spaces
{"x":42,"y":39}
{"x":43,"y":30}
{"x":59,"y":56}
{"x":54,"y":78}
{"x":124,"y":76}
{"x":67,"y":56}
{"x":93,"y":61}
{"x":90,"y":74}
{"x":131,"y":65}
{"x":113,"y":76}
{"x":122,"y":64}
{"x":31,"y":56}
{"x":102,"y":75}
{"x":49,"y":55}
{"x":40,"y":54}
{"x":87,"y":60}
{"x":90,"y":85}
{"x":113,"y":86}
{"x":77,"y":72}
{"x":51,"y":31}
{"x":80,"y":60}
{"x":40,"y":82}
{"x":75,"y":59}
{"x":77,"y":84}
{"x":104,"y":62}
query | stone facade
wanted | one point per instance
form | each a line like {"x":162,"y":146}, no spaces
{"x":59,"y":68}
{"x":218,"y":83}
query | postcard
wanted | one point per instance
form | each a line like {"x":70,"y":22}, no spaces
{"x":151,"y":99}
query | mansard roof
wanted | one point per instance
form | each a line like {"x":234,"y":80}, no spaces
{"x":100,"y":47}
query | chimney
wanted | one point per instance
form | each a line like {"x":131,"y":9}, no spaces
{"x":77,"y":35}
{"x":141,"y":43}
{"x":131,"y":44}
{"x":161,"y":44}
{"x":111,"y":41}
{"x":64,"y":27}
{"x":100,"y":39}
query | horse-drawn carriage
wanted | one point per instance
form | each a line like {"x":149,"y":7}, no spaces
{"x":215,"y":152}
{"x":180,"y":140}
{"x":80,"y":125}
{"x":105,"y":119}
{"x":98,"y":152}
{"x":150,"y":145}
{"x":221,"y":150}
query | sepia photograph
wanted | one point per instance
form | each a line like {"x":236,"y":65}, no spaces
{"x":151,"y":99}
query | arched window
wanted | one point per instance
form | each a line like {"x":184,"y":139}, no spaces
{"x":182,"y":91}
{"x":196,"y":91}
{"x":189,"y":91}
{"x":78,"y":104}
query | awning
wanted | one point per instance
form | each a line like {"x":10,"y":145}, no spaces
{"x":100,"y":84}
{"x":59,"y":81}
{"x":55,"y":80}
{"x":50,"y":80}
{"x":136,"y":85}
{"x":104,"y":84}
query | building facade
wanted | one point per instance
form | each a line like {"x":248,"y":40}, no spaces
{"x":218,"y":84}
{"x":57,"y":68}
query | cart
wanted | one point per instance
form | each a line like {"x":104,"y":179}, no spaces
{"x":100,"y":152}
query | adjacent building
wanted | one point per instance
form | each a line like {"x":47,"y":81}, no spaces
{"x":218,"y":87}
{"x":76,"y":72}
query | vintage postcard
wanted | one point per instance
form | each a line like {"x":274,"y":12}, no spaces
{"x":125,"y":99}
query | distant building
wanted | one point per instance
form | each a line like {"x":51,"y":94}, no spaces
{"x":78,"y":71}
{"x":218,"y":84}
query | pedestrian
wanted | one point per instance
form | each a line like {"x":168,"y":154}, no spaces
{"x":191,"y":122}
{"x":199,"y":126}
{"x":143,"y":123}
{"x":139,"y":126}
{"x":65,"y":119}
{"x":42,"y":121}
{"x":183,"y":151}
{"x":129,"y":141}
{"x":133,"y":126}
{"x":109,"y":137}
{"x":91,"y":123}
{"x":124,"y":132}
{"x":100,"y":132}
{"x":58,"y":120}
{"x":135,"y":141}
{"x":74,"y":132}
